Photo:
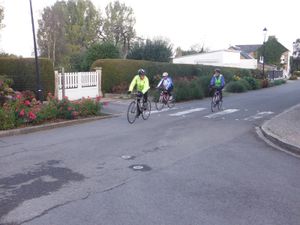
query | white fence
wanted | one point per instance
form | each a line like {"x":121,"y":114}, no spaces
{"x":78,"y":85}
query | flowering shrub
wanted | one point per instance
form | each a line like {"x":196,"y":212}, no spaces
{"x":25,"y":110}
{"x":6,"y":91}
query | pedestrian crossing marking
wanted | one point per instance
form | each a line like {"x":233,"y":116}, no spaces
{"x":221,"y":113}
{"x":187,"y":112}
{"x":163,"y":110}
{"x":258,"y":116}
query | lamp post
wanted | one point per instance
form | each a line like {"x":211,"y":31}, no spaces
{"x":264,"y":47}
{"x":37,"y":69}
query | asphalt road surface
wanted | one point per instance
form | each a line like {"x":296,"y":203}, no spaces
{"x":184,"y":166}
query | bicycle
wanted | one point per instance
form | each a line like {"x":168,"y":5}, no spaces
{"x":216,"y":102}
{"x":164,"y":99}
{"x":137,"y":108}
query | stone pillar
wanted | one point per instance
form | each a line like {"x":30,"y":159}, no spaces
{"x":56,"y":85}
{"x":99,"y":72}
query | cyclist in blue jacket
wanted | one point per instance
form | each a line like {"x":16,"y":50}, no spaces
{"x":166,"y":83}
{"x":218,"y":82}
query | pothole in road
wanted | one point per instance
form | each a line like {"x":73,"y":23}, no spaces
{"x":140,"y":167}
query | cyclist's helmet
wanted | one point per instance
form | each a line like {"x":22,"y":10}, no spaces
{"x":217,"y":70}
{"x":141,"y":72}
{"x":165,"y":74}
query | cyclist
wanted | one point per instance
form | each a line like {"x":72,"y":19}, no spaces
{"x":166,"y":83}
{"x":141,"y":82}
{"x":218,"y":82}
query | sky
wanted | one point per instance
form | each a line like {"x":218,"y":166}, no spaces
{"x":216,"y":24}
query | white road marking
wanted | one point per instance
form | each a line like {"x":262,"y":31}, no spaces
{"x":187,"y":112}
{"x":258,"y":116}
{"x":163,"y":110}
{"x":221,"y":113}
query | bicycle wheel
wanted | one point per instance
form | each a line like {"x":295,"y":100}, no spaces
{"x":160,"y":103}
{"x":220,"y":105}
{"x":132,"y":112}
{"x":214,"y":103}
{"x":171,"y":103}
{"x":146,"y":112}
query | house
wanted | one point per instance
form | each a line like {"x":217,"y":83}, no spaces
{"x":238,"y":56}
{"x":221,"y":58}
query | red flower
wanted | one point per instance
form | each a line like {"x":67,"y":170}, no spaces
{"x":18,"y":96}
{"x":22,"y":113}
{"x":31,"y":116}
{"x":27,"y":103}
{"x":69,"y":108}
{"x":98,"y":98}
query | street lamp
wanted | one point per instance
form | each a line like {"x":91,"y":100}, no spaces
{"x":264,"y":47}
{"x":37,"y":69}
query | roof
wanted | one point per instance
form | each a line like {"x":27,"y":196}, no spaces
{"x":247,"y":48}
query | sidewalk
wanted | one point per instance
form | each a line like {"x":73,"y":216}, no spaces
{"x":283,"y":130}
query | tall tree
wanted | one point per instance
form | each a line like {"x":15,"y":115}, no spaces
{"x":157,"y":50}
{"x":272,"y":51}
{"x":67,"y":29}
{"x":118,"y":26}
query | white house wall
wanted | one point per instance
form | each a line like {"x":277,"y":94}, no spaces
{"x":218,"y":58}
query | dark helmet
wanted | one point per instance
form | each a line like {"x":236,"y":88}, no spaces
{"x":217,"y":70}
{"x":141,"y":72}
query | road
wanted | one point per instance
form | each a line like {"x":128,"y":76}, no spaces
{"x":184,"y":166}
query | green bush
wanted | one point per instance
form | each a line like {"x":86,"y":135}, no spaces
{"x":253,"y":83}
{"x":188,"y":89}
{"x":279,"y":82}
{"x":296,"y":73}
{"x":236,"y":86}
{"x":119,"y":72}
{"x":293,"y":77}
{"x":7,"y":119}
{"x":22,"y":72}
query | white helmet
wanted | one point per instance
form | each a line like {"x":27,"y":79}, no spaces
{"x":165,"y":74}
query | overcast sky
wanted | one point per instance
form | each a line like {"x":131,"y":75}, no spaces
{"x":215,"y":23}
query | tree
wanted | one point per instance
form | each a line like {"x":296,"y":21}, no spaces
{"x":157,"y":50}
{"x":67,"y":29}
{"x":295,"y":59}
{"x":99,"y":51}
{"x":273,"y":51}
{"x":118,"y":27}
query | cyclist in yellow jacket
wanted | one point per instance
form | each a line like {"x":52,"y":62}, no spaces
{"x":141,"y":82}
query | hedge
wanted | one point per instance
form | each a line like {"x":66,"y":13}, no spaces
{"x":22,"y":72}
{"x":118,"y":73}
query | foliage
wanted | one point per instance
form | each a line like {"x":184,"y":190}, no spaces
{"x":5,"y":89}
{"x":279,"y":82}
{"x":99,"y":51}
{"x":67,"y":29}
{"x":293,"y":77}
{"x":20,"y":111}
{"x":253,"y":83}
{"x":118,"y":27}
{"x":22,"y":72}
{"x":187,"y":89}
{"x":296,"y":73}
{"x":273,"y":51}
{"x":236,"y":86}
{"x":118,"y":71}
{"x":156,"y":50}
{"x":264,"y":83}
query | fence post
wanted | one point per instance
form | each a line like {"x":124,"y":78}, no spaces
{"x":56,"y":86}
{"x":63,"y":82}
{"x":99,"y":72}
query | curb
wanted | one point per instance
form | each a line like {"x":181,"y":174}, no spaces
{"x":283,"y":145}
{"x":32,"y":129}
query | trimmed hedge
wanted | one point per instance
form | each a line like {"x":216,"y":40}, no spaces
{"x":117,"y":73}
{"x":22,"y":72}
